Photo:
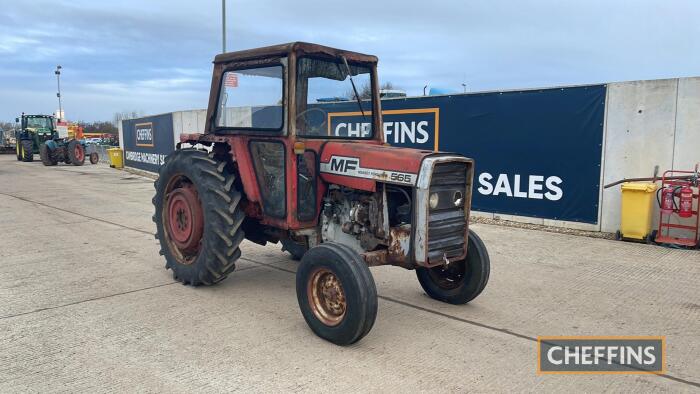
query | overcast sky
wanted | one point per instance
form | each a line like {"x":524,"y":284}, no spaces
{"x":155,"y":56}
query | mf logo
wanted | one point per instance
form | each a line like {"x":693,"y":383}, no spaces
{"x":344,"y":164}
{"x":144,"y":134}
{"x":412,"y":128}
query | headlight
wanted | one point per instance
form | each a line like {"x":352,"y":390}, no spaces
{"x":458,"y":198}
{"x":433,"y":201}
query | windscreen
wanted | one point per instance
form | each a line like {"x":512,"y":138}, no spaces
{"x":39,"y":123}
{"x":326,"y":89}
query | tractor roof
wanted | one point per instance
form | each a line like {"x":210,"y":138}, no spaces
{"x":299,"y":48}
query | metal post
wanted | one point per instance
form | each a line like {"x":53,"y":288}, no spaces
{"x":58,"y":94}
{"x":424,"y":87}
{"x":223,"y":25}
{"x":464,"y":85}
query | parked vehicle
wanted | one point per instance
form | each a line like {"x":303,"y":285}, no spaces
{"x":32,"y":131}
{"x":339,"y":203}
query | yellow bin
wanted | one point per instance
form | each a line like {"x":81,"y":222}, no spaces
{"x":116,"y":157}
{"x":637,"y":208}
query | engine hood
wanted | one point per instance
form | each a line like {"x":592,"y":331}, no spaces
{"x":362,"y":165}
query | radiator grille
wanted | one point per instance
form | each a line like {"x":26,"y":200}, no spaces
{"x":447,"y":225}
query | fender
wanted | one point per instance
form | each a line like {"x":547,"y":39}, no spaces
{"x":51,"y":144}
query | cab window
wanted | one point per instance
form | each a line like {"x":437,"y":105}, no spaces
{"x":252,"y":99}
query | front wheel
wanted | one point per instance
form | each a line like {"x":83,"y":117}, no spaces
{"x":27,"y":151}
{"x":45,"y":155}
{"x":336,"y":293}
{"x":461,"y":281}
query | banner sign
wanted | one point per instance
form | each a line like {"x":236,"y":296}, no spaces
{"x":147,"y":141}
{"x":414,"y":128}
{"x":537,"y":152}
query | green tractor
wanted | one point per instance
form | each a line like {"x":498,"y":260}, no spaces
{"x":33,"y":130}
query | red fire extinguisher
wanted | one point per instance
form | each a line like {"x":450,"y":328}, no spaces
{"x":685,"y":206}
{"x":667,"y":202}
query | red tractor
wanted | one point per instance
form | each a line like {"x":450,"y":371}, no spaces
{"x":337,"y":198}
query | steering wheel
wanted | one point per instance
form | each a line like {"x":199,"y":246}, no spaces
{"x":314,"y":129}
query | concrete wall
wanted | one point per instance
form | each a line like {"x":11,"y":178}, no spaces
{"x":188,"y":122}
{"x":648,"y":123}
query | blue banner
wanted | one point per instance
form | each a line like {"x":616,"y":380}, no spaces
{"x":537,"y":152}
{"x":147,"y":141}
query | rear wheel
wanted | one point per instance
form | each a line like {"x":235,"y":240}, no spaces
{"x":336,"y":293}
{"x":27,"y":152}
{"x":198,"y":218}
{"x":76,"y":153}
{"x":18,"y":150}
{"x":461,"y":281}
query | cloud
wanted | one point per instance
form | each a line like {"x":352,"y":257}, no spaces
{"x":155,"y":56}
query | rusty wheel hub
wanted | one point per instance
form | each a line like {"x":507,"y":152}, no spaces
{"x":185,"y":219}
{"x":326,"y":296}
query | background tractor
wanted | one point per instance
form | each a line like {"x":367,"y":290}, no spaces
{"x":339,"y":199}
{"x":71,"y":149}
{"x":31,"y":132}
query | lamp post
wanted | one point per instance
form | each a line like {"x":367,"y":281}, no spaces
{"x":424,"y":87}
{"x":58,"y":94}
{"x":223,"y":25}
{"x":464,"y":85}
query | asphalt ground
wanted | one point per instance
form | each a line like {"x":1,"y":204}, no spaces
{"x":87,"y":306}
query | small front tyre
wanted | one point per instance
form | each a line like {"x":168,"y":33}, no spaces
{"x":461,"y":281}
{"x":295,"y":249}
{"x":336,"y":293}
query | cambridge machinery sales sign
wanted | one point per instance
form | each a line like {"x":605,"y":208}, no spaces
{"x":147,"y":141}
{"x":537,"y":153}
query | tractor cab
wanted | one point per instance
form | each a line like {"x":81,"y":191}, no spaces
{"x":41,"y":125}
{"x":295,"y":154}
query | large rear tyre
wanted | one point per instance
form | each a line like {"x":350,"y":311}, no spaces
{"x":18,"y":150}
{"x":45,"y":155}
{"x":461,"y":281}
{"x":27,"y":152}
{"x":198,"y":218}
{"x":76,"y":153}
{"x":336,"y":293}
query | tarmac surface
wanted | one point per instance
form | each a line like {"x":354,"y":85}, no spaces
{"x":86,"y":305}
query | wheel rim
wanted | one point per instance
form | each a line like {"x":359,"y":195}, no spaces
{"x":326,"y":297}
{"x":450,"y":277}
{"x":184,"y":219}
{"x":79,"y":154}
